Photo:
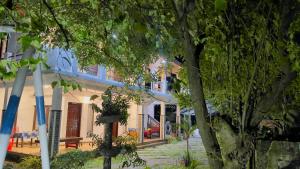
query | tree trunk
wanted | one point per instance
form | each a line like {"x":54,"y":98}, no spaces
{"x":192,"y":55}
{"x":208,"y":136}
{"x":108,"y":144}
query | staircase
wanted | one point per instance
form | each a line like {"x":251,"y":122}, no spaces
{"x":151,"y":144}
{"x":152,"y":122}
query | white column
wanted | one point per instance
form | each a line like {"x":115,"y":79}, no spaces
{"x":164,"y":78}
{"x":162,"y":120}
{"x":102,"y":72}
{"x":141,"y":122}
{"x":178,"y":120}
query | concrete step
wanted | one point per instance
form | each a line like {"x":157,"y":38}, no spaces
{"x":151,"y":144}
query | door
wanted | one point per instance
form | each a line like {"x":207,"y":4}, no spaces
{"x":73,"y":120}
{"x":115,"y":129}
{"x":35,"y":122}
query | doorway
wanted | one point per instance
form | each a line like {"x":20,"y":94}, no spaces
{"x":73,"y":120}
{"x":115,"y":130}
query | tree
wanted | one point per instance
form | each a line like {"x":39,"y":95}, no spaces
{"x":114,"y":110}
{"x":188,"y":132}
{"x":240,"y":55}
{"x":247,"y":62}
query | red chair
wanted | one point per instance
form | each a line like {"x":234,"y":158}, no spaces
{"x":153,"y":130}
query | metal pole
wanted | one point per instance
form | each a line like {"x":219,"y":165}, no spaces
{"x":54,"y":130}
{"x":10,"y":114}
{"x":40,"y":107}
{"x":5,"y":100}
{"x":12,"y":107}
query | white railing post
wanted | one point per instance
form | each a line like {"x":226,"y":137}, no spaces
{"x":40,"y":107}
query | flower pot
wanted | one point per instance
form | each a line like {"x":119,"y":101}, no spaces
{"x":109,"y":119}
{"x":113,"y":152}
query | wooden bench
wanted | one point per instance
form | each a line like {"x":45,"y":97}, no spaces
{"x":69,"y":141}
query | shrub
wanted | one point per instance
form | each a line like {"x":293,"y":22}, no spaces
{"x":8,"y":166}
{"x":72,"y":160}
{"x":32,"y":162}
{"x":172,"y":139}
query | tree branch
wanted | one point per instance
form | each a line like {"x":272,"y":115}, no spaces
{"x":63,"y":30}
{"x":279,"y":85}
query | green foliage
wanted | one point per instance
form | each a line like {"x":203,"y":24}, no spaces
{"x":8,"y":68}
{"x":187,"y":129}
{"x":220,"y":5}
{"x":113,"y":104}
{"x":172,"y":140}
{"x":8,"y":166}
{"x":75,"y":159}
{"x":33,"y":162}
{"x":129,"y":156}
{"x":189,"y":161}
{"x":66,"y":85}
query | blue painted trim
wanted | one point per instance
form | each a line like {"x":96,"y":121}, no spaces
{"x":10,"y":114}
{"x":40,"y":109}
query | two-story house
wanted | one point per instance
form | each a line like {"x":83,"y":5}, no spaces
{"x":147,"y":119}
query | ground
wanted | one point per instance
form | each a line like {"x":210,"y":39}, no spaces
{"x":165,"y":156}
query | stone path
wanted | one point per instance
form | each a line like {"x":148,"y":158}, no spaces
{"x":164,"y":155}
{"x":171,"y":154}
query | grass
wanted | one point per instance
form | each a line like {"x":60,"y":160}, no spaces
{"x":98,"y":163}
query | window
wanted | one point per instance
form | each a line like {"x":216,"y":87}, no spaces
{"x":47,"y":112}
{"x":3,"y":46}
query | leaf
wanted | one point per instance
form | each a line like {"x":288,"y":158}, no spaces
{"x":74,"y":86}
{"x":46,"y":66}
{"x":220,"y":5}
{"x":79,"y":87}
{"x":66,"y":89}
{"x":36,"y":44}
{"x":25,"y":42}
{"x":93,"y":97}
{"x":54,"y":84}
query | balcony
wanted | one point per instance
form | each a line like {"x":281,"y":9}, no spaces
{"x":65,"y":62}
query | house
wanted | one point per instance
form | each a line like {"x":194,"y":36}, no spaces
{"x":77,"y":117}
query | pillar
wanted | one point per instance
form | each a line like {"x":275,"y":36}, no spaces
{"x":55,"y":121}
{"x":162,"y":120}
{"x":141,"y":117}
{"x":74,"y":65}
{"x":102,"y":72}
{"x":164,"y":78}
{"x":178,"y":120}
